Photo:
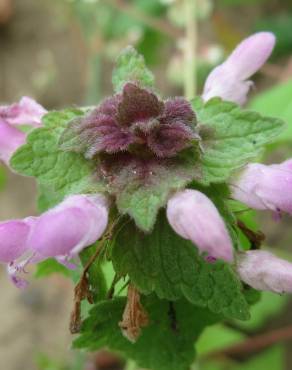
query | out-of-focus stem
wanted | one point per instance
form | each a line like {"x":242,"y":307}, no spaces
{"x":253,"y":344}
{"x":190,"y":48}
{"x":160,"y":25}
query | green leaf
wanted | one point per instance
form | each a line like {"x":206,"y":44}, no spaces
{"x":59,"y":172}
{"x":50,"y":266}
{"x":170,"y":266}
{"x":142,"y":199}
{"x":166,"y":344}
{"x":231,"y":136}
{"x":277,"y":102}
{"x":270,"y":305}
{"x":131,"y":67}
{"x":47,"y":197}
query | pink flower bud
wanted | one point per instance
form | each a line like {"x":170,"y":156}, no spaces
{"x":193,"y":216}
{"x":26,"y":112}
{"x":264,"y":271}
{"x":65,"y":230}
{"x":230,"y":79}
{"x":10,"y":140}
{"x":265,"y":187}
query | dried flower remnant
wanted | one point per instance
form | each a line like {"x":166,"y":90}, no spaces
{"x":134,"y":317}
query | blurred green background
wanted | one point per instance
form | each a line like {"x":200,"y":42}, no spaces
{"x":61,"y":52}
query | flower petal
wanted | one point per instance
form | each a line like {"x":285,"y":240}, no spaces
{"x":15,"y":272}
{"x":10,"y":140}
{"x":265,"y":187}
{"x":26,"y":112}
{"x":193,"y":216}
{"x":229,"y":80}
{"x":66,"y":229}
{"x":13,"y":239}
{"x":264,"y":271}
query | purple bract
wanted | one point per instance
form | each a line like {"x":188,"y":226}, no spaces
{"x":136,"y":122}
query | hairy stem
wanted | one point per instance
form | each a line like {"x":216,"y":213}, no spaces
{"x":190,"y":49}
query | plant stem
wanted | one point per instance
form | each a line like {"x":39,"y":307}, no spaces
{"x":253,"y":345}
{"x":157,"y":24}
{"x":190,"y":49}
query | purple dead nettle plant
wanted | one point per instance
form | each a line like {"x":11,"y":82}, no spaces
{"x":135,"y":134}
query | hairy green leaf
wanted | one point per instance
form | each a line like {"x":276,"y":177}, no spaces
{"x":166,"y":344}
{"x":142,"y":198}
{"x":231,"y":136}
{"x":170,"y":266}
{"x":58,"y":172}
{"x":131,"y":67}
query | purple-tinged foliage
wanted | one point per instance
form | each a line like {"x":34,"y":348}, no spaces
{"x":136,"y":122}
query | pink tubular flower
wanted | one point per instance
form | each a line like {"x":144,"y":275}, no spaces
{"x":69,"y":227}
{"x":14,"y":235}
{"x":26,"y":112}
{"x":10,"y":140}
{"x":193,"y":216}
{"x":230,"y":80}
{"x":13,"y":239}
{"x":264,"y":271}
{"x":61,"y":232}
{"x":265,"y":187}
